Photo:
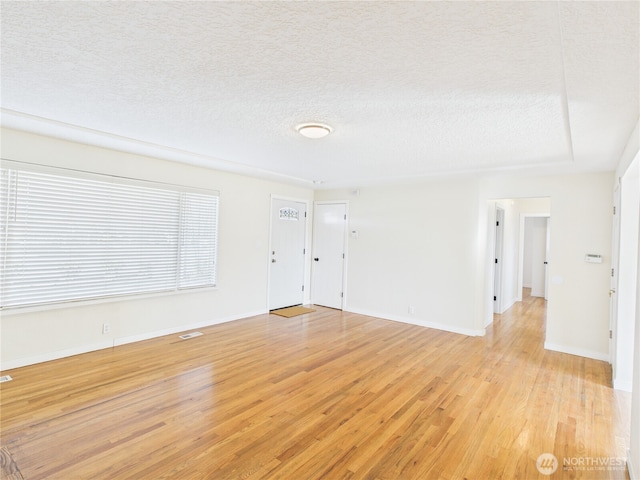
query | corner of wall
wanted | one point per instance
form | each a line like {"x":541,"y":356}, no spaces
{"x":631,"y":149}
{"x":634,"y":470}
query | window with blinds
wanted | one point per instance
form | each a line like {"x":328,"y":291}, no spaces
{"x":72,"y":236}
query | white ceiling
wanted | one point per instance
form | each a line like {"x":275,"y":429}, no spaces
{"x":412,"y":89}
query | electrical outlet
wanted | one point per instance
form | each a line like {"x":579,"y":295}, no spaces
{"x":412,"y":310}
{"x":106,"y":328}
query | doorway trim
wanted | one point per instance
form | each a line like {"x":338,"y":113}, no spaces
{"x":307,"y":246}
{"x":613,"y":286}
{"x":625,"y":273}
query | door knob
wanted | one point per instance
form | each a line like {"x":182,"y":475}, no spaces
{"x":316,"y":259}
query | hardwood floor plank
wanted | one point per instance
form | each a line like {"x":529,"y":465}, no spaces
{"x":331,"y":395}
{"x":8,"y":468}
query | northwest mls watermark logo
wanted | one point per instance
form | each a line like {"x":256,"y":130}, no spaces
{"x":547,"y":463}
{"x":594,"y":464}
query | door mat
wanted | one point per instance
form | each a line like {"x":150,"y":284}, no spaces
{"x":292,"y":311}
{"x":8,"y":467}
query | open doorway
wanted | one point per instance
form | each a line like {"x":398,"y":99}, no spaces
{"x":506,"y":250}
{"x":534,"y":245}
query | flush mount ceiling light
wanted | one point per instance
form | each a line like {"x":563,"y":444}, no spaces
{"x":314,"y":130}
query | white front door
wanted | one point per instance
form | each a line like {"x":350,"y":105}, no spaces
{"x":329,"y":228}
{"x":286,"y":272}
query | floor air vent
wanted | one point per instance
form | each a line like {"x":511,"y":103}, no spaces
{"x":5,"y":378}
{"x":190,"y":335}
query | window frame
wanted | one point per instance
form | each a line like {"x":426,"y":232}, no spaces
{"x":120,"y":181}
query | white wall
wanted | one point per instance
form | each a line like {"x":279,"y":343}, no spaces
{"x":533,"y":206}
{"x":416,"y":246}
{"x":630,"y":151}
{"x":426,"y":245}
{"x":46,"y":333}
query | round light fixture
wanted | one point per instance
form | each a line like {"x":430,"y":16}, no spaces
{"x":314,"y":130}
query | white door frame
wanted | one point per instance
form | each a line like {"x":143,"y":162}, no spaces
{"x":307,"y":246}
{"x":625,"y":274}
{"x":523,"y":216}
{"x":613,"y":286}
{"x":346,"y":244}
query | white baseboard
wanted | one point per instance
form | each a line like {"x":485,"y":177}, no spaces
{"x":183,"y":328}
{"x":46,"y":357}
{"x":580,"y":352}
{"x":422,"y":323}
{"x":503,"y":308}
{"x":508,"y":305}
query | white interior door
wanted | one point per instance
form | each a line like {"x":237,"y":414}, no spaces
{"x":538,"y":256}
{"x":286,"y":272}
{"x":546,"y":259}
{"x":497,"y":276}
{"x":329,"y":229}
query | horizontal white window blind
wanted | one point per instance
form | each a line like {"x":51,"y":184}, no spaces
{"x":198,"y":235}
{"x":69,"y":237}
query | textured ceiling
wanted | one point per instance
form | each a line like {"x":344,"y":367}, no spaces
{"x":411,"y":89}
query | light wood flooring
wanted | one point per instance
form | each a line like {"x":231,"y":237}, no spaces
{"x":327,"y":395}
